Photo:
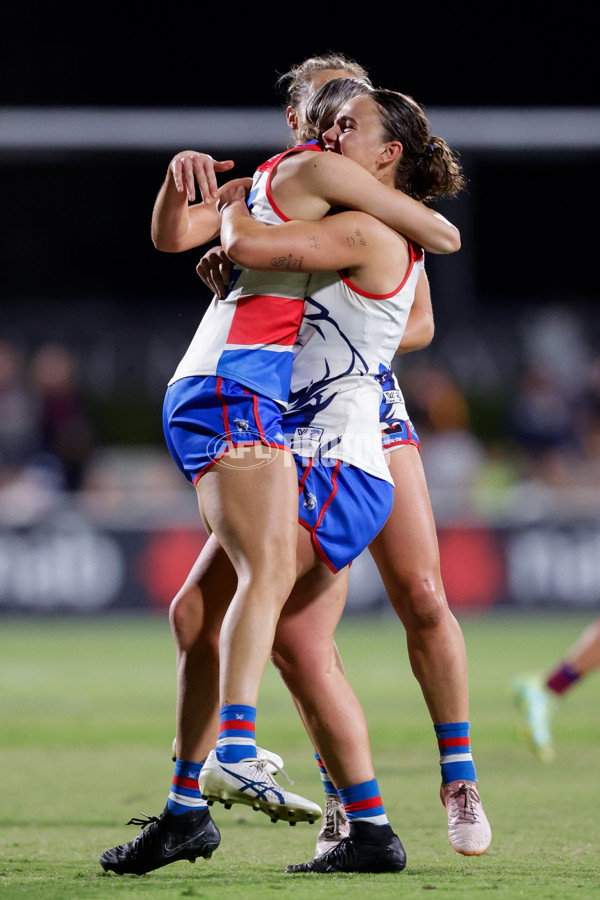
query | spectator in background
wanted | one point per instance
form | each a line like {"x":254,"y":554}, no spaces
{"x":453,"y":457}
{"x":543,"y":423}
{"x":66,"y":431}
{"x":587,"y":470}
{"x":19,"y":432}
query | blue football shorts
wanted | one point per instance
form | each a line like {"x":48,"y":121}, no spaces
{"x":342,"y":507}
{"x":396,"y":428}
{"x":205,"y":418}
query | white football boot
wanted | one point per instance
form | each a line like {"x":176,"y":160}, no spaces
{"x":250,"y":781}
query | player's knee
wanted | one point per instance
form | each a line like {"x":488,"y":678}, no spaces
{"x":304,"y":664}
{"x":186,"y":620}
{"x":421,"y":603}
{"x":290,"y":662}
{"x":272,"y":575}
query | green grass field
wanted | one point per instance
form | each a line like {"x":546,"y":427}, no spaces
{"x":87,"y":713}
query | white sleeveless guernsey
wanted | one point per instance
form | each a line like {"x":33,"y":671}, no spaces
{"x":346,"y":337}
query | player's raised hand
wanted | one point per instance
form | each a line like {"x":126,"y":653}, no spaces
{"x":190,"y":167}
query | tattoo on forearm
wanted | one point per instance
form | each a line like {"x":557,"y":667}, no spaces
{"x":357,"y":237}
{"x":314,"y":242}
{"x":290,"y":262}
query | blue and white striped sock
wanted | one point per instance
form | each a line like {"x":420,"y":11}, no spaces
{"x":185,"y":793}
{"x":456,"y":759}
{"x":237,"y":737}
{"x":328,"y":785}
{"x":363,"y":803}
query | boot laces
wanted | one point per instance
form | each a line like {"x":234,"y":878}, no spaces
{"x":333,"y":819}
{"x":141,"y":823}
{"x":465,"y":801}
{"x":262,"y":764}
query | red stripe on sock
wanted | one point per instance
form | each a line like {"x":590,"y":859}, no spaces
{"x":239,"y":724}
{"x":454,"y":742}
{"x":363,"y":804}
{"x":185,"y":782}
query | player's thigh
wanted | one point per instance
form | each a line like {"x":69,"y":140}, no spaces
{"x":253,"y":509}
{"x":407,"y":548}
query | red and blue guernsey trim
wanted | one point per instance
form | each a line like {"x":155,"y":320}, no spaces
{"x":258,"y":352}
{"x":268,"y":168}
{"x":260,"y":343}
{"x":398,"y":435}
{"x":415,"y":254}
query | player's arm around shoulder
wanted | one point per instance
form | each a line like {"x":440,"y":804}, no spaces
{"x":342,"y":182}
{"x":365,"y":243}
{"x":384,"y":259}
{"x":340,"y":241}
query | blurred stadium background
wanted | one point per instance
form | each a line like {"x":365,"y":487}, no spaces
{"x":94,"y":517}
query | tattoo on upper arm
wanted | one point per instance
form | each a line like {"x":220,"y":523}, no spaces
{"x":357,"y":237}
{"x":289,"y":262}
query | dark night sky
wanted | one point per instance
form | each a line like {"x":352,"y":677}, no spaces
{"x":79,"y":226}
{"x":135,"y":54}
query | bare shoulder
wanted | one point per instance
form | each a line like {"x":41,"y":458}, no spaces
{"x":297,"y":188}
{"x":312,"y":162}
{"x":303,"y":162}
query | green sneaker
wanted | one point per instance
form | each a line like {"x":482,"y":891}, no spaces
{"x":535,"y":704}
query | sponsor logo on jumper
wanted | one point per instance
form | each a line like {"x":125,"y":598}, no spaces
{"x":308,"y":434}
{"x":393,"y":396}
{"x":324,"y":445}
